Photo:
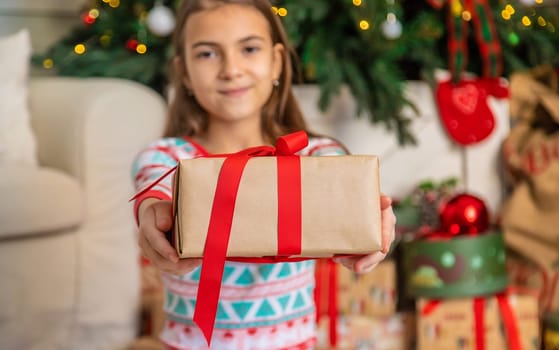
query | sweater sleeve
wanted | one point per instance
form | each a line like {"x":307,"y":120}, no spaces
{"x":155,"y":160}
{"x":324,"y":146}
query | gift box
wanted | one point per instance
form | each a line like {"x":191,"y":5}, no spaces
{"x":395,"y":332}
{"x":267,"y":203}
{"x":466,"y":265}
{"x":337,"y":206}
{"x":503,"y":321}
{"x":369,"y":294}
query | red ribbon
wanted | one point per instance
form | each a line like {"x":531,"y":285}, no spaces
{"x":479,"y":322}
{"x":485,"y":34}
{"x":510,"y":322}
{"x":326,"y":275}
{"x":219,"y":229}
{"x":507,"y":315}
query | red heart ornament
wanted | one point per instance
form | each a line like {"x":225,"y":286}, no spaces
{"x":465,"y":98}
{"x":464,"y":111}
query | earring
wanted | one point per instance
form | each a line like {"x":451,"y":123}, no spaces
{"x":275,"y":82}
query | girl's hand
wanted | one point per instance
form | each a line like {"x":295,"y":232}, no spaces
{"x":155,"y":218}
{"x":363,"y":264}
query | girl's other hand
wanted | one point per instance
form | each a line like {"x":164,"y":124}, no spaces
{"x":155,"y":218}
{"x":364,"y":264}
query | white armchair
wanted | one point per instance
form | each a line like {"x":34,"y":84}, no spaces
{"x":69,"y":264}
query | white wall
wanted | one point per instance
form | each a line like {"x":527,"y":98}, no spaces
{"x":47,"y":20}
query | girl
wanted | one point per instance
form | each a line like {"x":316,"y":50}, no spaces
{"x":232,"y":85}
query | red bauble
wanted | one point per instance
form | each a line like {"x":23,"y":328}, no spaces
{"x":132,"y":44}
{"x":88,"y":19}
{"x":464,"y":214}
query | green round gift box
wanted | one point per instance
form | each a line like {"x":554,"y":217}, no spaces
{"x":463,"y":266}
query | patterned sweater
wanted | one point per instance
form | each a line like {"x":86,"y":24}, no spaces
{"x":261,"y":306}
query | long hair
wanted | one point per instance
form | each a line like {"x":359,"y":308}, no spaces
{"x":281,"y":113}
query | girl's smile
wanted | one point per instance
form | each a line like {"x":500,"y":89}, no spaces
{"x":234,"y":92}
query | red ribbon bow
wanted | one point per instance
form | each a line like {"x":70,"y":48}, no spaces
{"x":219,"y":229}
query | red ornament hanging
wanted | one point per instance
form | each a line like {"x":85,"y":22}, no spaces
{"x":464,"y":214}
{"x":464,"y":107}
{"x":132,"y":44}
{"x":462,"y":102}
{"x":88,"y":19}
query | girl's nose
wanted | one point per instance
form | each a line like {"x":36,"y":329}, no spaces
{"x":231,"y":66}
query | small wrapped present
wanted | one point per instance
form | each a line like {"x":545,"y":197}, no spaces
{"x":503,"y":321}
{"x":395,"y":332}
{"x":369,"y":294}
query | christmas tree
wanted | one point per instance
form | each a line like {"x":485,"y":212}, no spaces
{"x":117,"y":38}
{"x":372,"y":46}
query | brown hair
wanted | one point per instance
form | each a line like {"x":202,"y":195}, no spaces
{"x":280,"y":115}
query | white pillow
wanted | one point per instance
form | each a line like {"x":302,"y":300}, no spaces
{"x":17,"y":141}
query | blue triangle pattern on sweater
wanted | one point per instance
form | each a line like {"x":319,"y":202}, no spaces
{"x":180,"y":308}
{"x":265,"y":270}
{"x":246,"y":278}
{"x":242,"y":308}
{"x":265,"y":309}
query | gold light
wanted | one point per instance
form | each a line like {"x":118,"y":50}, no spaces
{"x":541,"y":21}
{"x":94,"y":13}
{"x":526,"y":21}
{"x":79,"y":49}
{"x":364,"y":25}
{"x":510,"y":9}
{"x":114,"y":3}
{"x":282,"y":12}
{"x":48,"y":63}
{"x":141,"y":49}
{"x":466,"y":15}
{"x":456,"y":8}
{"x":357,"y":2}
{"x":507,"y":12}
{"x":105,"y":39}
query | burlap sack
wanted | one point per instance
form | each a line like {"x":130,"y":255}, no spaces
{"x":530,"y":215}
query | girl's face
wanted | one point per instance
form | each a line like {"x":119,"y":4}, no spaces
{"x":231,"y":62}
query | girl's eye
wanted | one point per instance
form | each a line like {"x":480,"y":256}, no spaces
{"x":205,"y":54}
{"x":251,"y":49}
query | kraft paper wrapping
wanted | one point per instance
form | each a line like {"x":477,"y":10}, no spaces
{"x":529,"y":213}
{"x":396,"y":332}
{"x":340,"y":206}
{"x":451,"y":325}
{"x":368,"y":294}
